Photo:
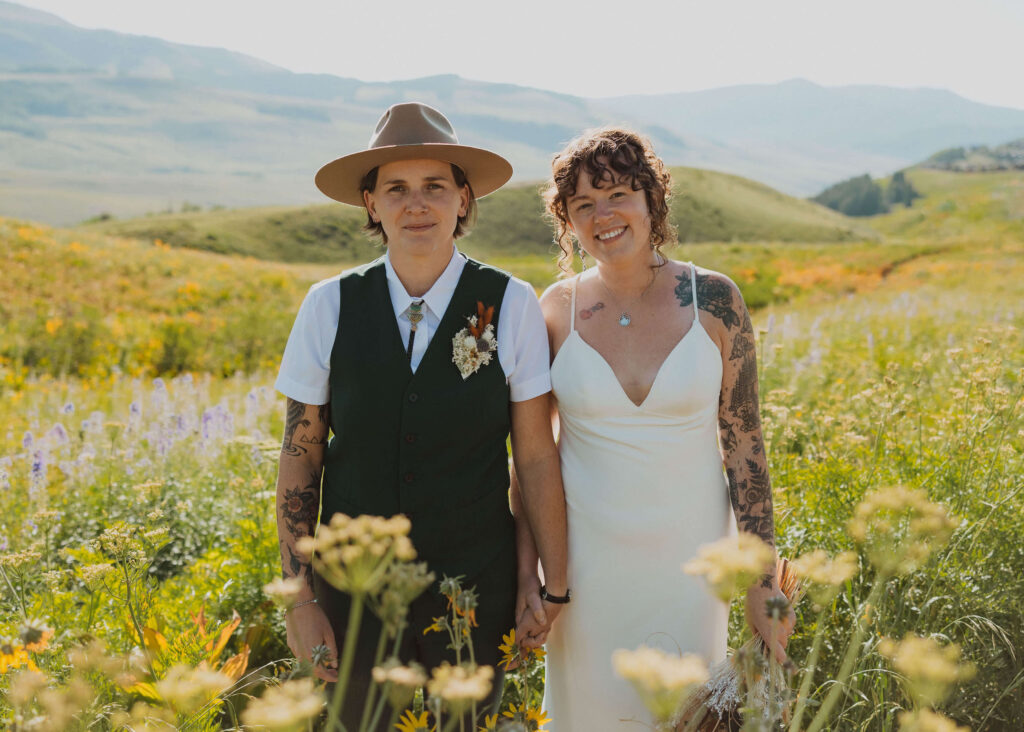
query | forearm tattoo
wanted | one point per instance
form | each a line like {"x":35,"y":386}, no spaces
{"x":299,"y":504}
{"x":739,"y":422}
{"x":294,"y":419}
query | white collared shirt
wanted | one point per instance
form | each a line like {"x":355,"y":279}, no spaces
{"x":522,"y":336}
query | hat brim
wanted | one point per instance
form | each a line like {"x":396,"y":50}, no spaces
{"x":340,"y":179}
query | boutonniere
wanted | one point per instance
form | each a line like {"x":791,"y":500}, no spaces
{"x":473,"y":345}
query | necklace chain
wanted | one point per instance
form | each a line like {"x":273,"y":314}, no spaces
{"x":624,"y":317}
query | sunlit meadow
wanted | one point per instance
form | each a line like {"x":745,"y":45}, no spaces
{"x":137,"y":528}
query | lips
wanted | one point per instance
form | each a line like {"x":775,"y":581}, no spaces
{"x":418,"y":227}
{"x":611,"y":233}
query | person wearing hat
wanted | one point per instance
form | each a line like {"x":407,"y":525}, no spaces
{"x":421,"y":363}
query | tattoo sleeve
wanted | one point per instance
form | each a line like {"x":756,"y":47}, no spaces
{"x":298,"y":482}
{"x":739,"y":421}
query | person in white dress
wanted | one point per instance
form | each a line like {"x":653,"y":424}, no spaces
{"x":655,"y":377}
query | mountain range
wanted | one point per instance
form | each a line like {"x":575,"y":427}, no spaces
{"x":95,"y":120}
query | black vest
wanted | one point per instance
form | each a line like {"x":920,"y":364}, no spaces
{"x":429,"y":445}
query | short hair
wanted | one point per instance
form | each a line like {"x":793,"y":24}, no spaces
{"x":374,"y":228}
{"x":609,"y":154}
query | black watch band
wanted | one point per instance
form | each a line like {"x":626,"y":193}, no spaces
{"x":556,"y":599}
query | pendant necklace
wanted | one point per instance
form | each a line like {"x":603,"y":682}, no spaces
{"x":624,"y":317}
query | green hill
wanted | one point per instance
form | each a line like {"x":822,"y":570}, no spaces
{"x":708,"y":206}
{"x":959,"y":205}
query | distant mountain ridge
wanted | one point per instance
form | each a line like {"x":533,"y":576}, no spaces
{"x":93,"y":120}
{"x":979,"y":158}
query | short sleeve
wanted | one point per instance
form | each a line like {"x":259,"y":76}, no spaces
{"x":525,"y":359}
{"x":306,"y":365}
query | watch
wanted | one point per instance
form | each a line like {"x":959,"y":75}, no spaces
{"x":556,"y":599}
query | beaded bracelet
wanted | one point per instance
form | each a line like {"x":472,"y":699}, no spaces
{"x":300,"y":604}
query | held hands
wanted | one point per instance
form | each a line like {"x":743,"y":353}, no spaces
{"x":534,"y":616}
{"x":775,"y":633}
{"x":308,"y":628}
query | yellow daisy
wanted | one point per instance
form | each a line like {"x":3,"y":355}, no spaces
{"x":490,"y":724}
{"x":411,"y":723}
{"x":509,"y":648}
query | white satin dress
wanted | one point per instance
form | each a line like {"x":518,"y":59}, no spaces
{"x":644,"y":488}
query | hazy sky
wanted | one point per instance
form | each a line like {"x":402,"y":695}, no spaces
{"x":600,"y":48}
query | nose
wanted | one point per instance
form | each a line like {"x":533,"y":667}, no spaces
{"x":416,"y":201}
{"x":603,"y":210}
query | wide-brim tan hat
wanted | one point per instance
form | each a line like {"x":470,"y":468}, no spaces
{"x":412,"y":131}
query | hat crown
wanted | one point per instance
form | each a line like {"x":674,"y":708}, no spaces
{"x":412,"y":123}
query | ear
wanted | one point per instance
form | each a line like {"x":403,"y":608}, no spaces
{"x":463,"y":201}
{"x":371,"y":207}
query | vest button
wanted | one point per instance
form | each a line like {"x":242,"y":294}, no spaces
{"x":413,"y":397}
{"x":410,"y":438}
{"x":409,"y":477}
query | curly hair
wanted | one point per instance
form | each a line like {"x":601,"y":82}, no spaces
{"x":608,"y":154}
{"x":374,"y":228}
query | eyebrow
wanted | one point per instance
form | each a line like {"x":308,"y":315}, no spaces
{"x":429,"y":179}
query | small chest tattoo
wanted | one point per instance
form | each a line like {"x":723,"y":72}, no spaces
{"x":588,"y":313}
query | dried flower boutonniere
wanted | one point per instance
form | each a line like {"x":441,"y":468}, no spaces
{"x":472,"y":346}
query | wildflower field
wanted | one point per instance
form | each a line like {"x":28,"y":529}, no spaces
{"x":140,"y":435}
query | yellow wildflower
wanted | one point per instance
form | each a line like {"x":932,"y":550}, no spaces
{"x":900,"y":528}
{"x":13,"y":655}
{"x":460,"y":685}
{"x":284,"y":592}
{"x":35,"y":634}
{"x":731,"y":564}
{"x":825,"y":575}
{"x":509,"y":648}
{"x":287,"y":708}
{"x":434,"y":627}
{"x":925,"y":720}
{"x":490,"y":723}
{"x":401,"y":682}
{"x":413,"y":723}
{"x":662,"y":680}
{"x":930,"y":668}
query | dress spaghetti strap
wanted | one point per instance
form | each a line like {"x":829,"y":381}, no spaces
{"x":572,"y":307}
{"x":693,"y":289}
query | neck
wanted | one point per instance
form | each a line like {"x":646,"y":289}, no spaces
{"x":419,"y":273}
{"x":631,"y":278}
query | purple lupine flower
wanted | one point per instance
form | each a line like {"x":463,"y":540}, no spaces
{"x":3,"y":541}
{"x":207,"y":424}
{"x":5,"y":480}
{"x":135,"y":410}
{"x":68,"y":408}
{"x":58,"y":434}
{"x":38,"y":466}
{"x":27,"y":441}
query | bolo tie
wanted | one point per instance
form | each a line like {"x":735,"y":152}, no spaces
{"x":415,"y":316}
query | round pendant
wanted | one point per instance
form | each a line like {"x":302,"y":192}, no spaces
{"x":624,"y":320}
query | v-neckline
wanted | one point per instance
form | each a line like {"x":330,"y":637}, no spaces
{"x":694,"y":326}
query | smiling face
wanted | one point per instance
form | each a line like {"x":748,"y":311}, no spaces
{"x":418,"y":204}
{"x":611,"y":221}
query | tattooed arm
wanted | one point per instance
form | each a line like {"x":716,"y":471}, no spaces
{"x":739,"y":433}
{"x":298,"y":505}
{"x":298,"y":484}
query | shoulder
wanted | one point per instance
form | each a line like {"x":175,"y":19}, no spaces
{"x":557,"y":297}
{"x":718,"y":296}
